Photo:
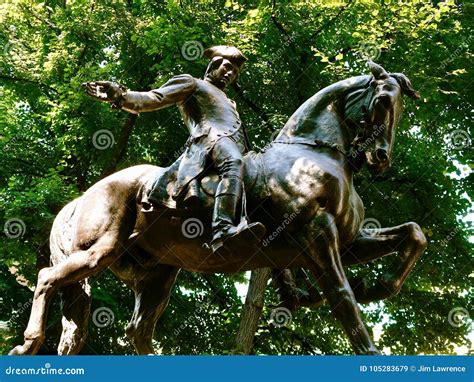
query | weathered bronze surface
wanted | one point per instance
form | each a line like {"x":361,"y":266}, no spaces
{"x":300,"y":187}
{"x":216,"y":139}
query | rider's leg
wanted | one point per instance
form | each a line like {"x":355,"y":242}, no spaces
{"x":228,"y":160}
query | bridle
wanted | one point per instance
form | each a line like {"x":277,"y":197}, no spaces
{"x":356,"y":153}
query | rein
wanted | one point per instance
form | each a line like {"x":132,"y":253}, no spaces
{"x":318,"y":143}
{"x":355,"y":155}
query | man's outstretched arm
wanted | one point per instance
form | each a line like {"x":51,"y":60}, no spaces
{"x":175,"y":91}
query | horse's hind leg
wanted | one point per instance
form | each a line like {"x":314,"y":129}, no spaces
{"x":77,"y":267}
{"x":152,"y":293}
{"x":322,"y":244}
{"x":103,"y":227}
{"x":407,"y":239}
{"x":76,"y":303}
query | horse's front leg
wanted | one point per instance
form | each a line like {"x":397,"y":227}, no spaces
{"x":406,"y":239}
{"x":152,"y":294}
{"x":321,"y":243}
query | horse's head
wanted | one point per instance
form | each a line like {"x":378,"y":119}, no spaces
{"x":381,"y":109}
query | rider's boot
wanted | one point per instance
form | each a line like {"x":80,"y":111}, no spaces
{"x":225,"y":232}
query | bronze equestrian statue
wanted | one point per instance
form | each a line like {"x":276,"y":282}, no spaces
{"x":302,"y":181}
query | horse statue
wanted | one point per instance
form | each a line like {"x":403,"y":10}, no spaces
{"x":300,"y":186}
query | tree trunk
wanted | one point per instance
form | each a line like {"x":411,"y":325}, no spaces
{"x":252,"y":310}
{"x":122,"y":143}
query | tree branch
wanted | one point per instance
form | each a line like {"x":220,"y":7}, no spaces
{"x":330,"y":21}
{"x":122,"y":143}
{"x":37,"y":17}
{"x":126,"y":131}
{"x":282,"y":29}
{"x":304,"y":342}
{"x":257,"y":109}
{"x":18,"y":79}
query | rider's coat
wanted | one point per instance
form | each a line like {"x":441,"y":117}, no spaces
{"x":207,"y":112}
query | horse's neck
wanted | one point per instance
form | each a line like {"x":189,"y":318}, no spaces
{"x":324,"y":126}
{"x":321,"y":117}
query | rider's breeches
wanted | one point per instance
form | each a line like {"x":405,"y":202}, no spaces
{"x":228,"y":160}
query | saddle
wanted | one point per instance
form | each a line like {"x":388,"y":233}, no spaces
{"x":159,"y":188}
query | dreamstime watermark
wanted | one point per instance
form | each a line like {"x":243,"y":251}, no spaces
{"x":192,"y":50}
{"x":357,"y":330}
{"x":103,"y":139}
{"x":280,"y":317}
{"x":200,"y":307}
{"x":370,"y":227}
{"x":192,"y":228}
{"x":103,"y":317}
{"x":46,"y":370}
{"x":369,"y":50}
{"x":458,"y":317}
{"x":14,"y":228}
{"x":22,"y":308}
{"x":273,"y":139}
{"x":288,"y":219}
{"x":457,"y":52}
{"x":291,"y":39}
{"x":179,"y":152}
{"x":376,"y":131}
{"x":450,"y":236}
{"x":459,"y":139}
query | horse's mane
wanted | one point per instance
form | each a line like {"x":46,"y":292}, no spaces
{"x":356,"y":100}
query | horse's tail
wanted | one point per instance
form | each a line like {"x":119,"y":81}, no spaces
{"x":75,"y":298}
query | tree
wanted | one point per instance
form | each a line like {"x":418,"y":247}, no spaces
{"x":55,"y":143}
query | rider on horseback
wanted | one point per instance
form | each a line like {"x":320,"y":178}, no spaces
{"x":216,"y":134}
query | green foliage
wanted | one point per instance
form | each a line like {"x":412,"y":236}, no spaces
{"x":295,"y":48}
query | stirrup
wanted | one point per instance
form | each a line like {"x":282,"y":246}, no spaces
{"x":245,"y":233}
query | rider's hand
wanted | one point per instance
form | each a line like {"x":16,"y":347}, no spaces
{"x":104,"y":91}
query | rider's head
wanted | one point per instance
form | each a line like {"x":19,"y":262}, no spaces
{"x":224,"y":68}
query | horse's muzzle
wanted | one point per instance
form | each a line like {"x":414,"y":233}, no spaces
{"x":378,"y":161}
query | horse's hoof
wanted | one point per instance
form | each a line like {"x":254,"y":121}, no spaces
{"x":21,"y":349}
{"x":17,"y":350}
{"x":28,"y":348}
{"x":373,"y":352}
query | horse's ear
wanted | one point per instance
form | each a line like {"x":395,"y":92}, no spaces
{"x":378,"y":72}
{"x":406,"y":86}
